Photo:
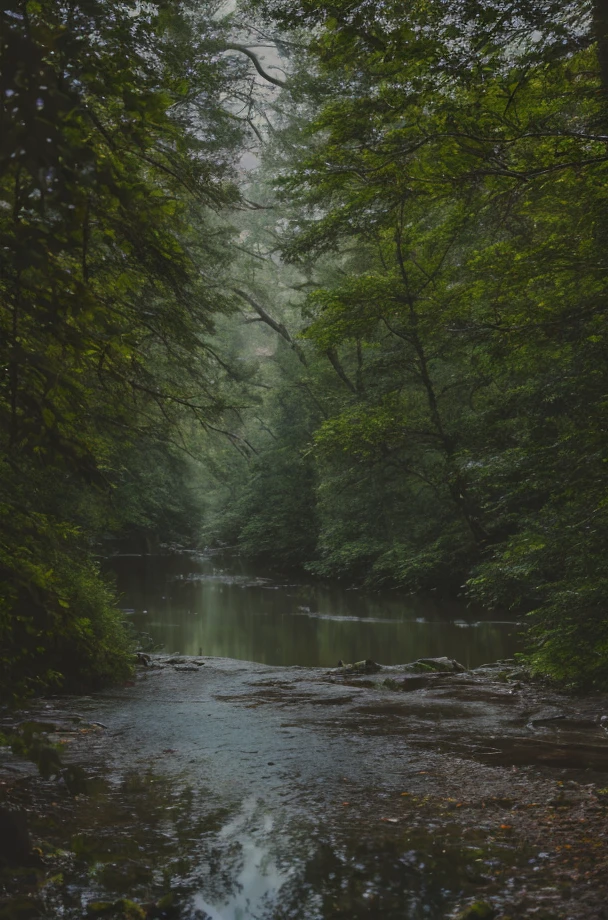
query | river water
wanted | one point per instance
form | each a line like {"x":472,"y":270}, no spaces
{"x":257,"y":781}
{"x":245,"y":791}
{"x":220,"y":606}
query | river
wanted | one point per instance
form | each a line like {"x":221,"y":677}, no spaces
{"x":193,"y":604}
{"x":258,"y":782}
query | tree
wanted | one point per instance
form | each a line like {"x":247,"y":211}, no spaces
{"x":459,"y":151}
{"x":115,"y":154}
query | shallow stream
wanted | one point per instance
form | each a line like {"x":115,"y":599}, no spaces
{"x":213,"y":788}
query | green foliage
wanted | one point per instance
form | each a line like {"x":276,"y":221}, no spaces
{"x":111,"y":175}
{"x":443,"y":190}
{"x":414,"y":395}
{"x":278,"y":516}
{"x":59,"y":628}
{"x":268,"y":510}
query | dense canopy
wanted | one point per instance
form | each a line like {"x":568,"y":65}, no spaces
{"x":342,"y":307}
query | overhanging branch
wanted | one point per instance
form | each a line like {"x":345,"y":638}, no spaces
{"x":243,"y":49}
{"x":279,"y":328}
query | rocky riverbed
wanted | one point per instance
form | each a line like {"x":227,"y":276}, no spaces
{"x":214,"y":788}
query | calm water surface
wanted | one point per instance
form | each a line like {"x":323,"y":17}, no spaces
{"x":195,"y":605}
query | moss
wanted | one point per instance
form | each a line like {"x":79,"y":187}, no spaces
{"x":480,"y":910}
{"x":99,"y":908}
{"x":131,"y":910}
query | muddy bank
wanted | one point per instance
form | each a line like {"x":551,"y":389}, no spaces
{"x":213,"y":788}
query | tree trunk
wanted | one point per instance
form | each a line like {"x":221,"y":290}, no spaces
{"x":600,"y":29}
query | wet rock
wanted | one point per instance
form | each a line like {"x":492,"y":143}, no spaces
{"x":99,"y":908}
{"x":367,"y":666}
{"x":177,"y":662}
{"x":498,"y":665}
{"x":518,"y":674}
{"x":503,"y":671}
{"x":130,"y":910}
{"x":480,"y":910}
{"x":445,"y":664}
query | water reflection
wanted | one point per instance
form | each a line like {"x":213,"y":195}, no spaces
{"x":145,"y":846}
{"x":257,"y":877}
{"x":210,"y":606}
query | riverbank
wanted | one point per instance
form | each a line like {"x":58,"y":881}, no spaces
{"x":213,"y":786}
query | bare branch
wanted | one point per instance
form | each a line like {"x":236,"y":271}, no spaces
{"x":279,"y":328}
{"x":334,"y":360}
{"x":243,"y":49}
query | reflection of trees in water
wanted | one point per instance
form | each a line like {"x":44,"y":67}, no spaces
{"x":149,"y":836}
{"x":313,"y":625}
{"x":143,"y":838}
{"x":371,"y":873}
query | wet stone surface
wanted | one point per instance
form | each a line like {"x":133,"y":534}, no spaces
{"x":214,"y":788}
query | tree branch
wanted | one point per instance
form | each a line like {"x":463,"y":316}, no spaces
{"x":279,"y":328}
{"x":334,"y":360}
{"x":243,"y":49}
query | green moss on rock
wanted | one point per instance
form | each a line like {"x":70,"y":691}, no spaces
{"x":480,"y":910}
